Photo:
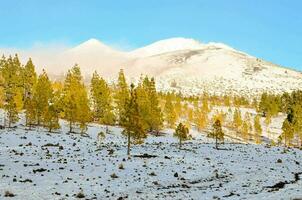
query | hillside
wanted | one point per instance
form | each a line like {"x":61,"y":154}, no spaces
{"x":37,"y":165}
{"x":178,"y":64}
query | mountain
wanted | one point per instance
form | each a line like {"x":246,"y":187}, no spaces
{"x":215,"y":68}
{"x":164,"y":46}
{"x":93,"y":55}
{"x":179,"y":64}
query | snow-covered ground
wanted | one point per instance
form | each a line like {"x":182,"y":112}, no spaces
{"x":37,"y":165}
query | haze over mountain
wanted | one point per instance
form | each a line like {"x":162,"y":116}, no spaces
{"x":180,"y":64}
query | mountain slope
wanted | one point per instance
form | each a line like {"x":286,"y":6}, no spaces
{"x":179,"y":64}
{"x":215,"y":68}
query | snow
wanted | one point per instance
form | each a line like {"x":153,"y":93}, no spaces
{"x":84,"y":164}
{"x":168,"y":45}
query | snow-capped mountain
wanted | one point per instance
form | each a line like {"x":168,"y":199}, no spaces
{"x":168,"y":45}
{"x":181,"y":64}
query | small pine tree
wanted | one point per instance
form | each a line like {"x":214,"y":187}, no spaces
{"x":155,"y":120}
{"x":10,"y":107}
{"x":30,"y":112}
{"x":148,"y":102}
{"x":200,"y":117}
{"x":287,"y":132}
{"x":82,"y":109}
{"x":237,"y":120}
{"x":101,"y":97}
{"x":132,"y":121}
{"x":170,"y":114}
{"x":51,"y":117}
{"x":75,"y":100}
{"x":12,"y":88}
{"x":257,"y":129}
{"x":182,"y":133}
{"x":245,"y":131}
{"x":121,"y":96}
{"x":217,"y":133}
{"x":29,"y":84}
{"x":42,"y":94}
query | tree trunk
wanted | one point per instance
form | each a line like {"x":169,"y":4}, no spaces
{"x":179,"y":143}
{"x":26,"y":121}
{"x":38,"y":120}
{"x":70,"y":126}
{"x":128,"y":149}
{"x":9,"y":121}
{"x":216,"y":142}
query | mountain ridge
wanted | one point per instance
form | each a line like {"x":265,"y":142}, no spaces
{"x":181,"y":65}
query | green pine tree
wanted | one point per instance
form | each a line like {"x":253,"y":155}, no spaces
{"x":29,"y":81}
{"x":42,"y":94}
{"x":12,"y":88}
{"x":217,"y":133}
{"x":101,"y":101}
{"x":287,"y":131}
{"x":182,"y":133}
{"x":155,"y":120}
{"x":170,"y":114}
{"x":132,"y":122}
{"x":257,"y":129}
{"x":76,"y":108}
{"x":121,"y":96}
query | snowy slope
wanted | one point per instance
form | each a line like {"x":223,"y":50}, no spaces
{"x":38,"y":165}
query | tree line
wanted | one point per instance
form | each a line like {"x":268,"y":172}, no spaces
{"x":139,"y":109}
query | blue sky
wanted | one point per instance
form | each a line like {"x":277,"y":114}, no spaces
{"x":269,"y":29}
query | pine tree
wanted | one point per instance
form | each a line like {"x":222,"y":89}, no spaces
{"x":51,"y":116}
{"x":149,"y":104}
{"x":12,"y":87}
{"x":42,"y":94}
{"x":182,"y":133}
{"x":83,"y":110}
{"x":217,"y":132}
{"x":200,"y":118}
{"x":101,"y":101}
{"x":132,"y":122}
{"x":245,"y":131}
{"x":257,"y":129}
{"x":18,"y":97}
{"x":237,"y":120}
{"x":121,"y":96}
{"x":287,"y":131}
{"x":143,"y":101}
{"x":29,"y":81}
{"x":178,"y":106}
{"x":2,"y":99}
{"x":30,"y":112}
{"x":155,"y":121}
{"x":170,"y":114}
{"x":75,"y":100}
{"x":205,"y":104}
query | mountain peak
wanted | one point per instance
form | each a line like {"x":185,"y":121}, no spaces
{"x":93,"y":41}
{"x":167,"y":45}
{"x":93,"y":45}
